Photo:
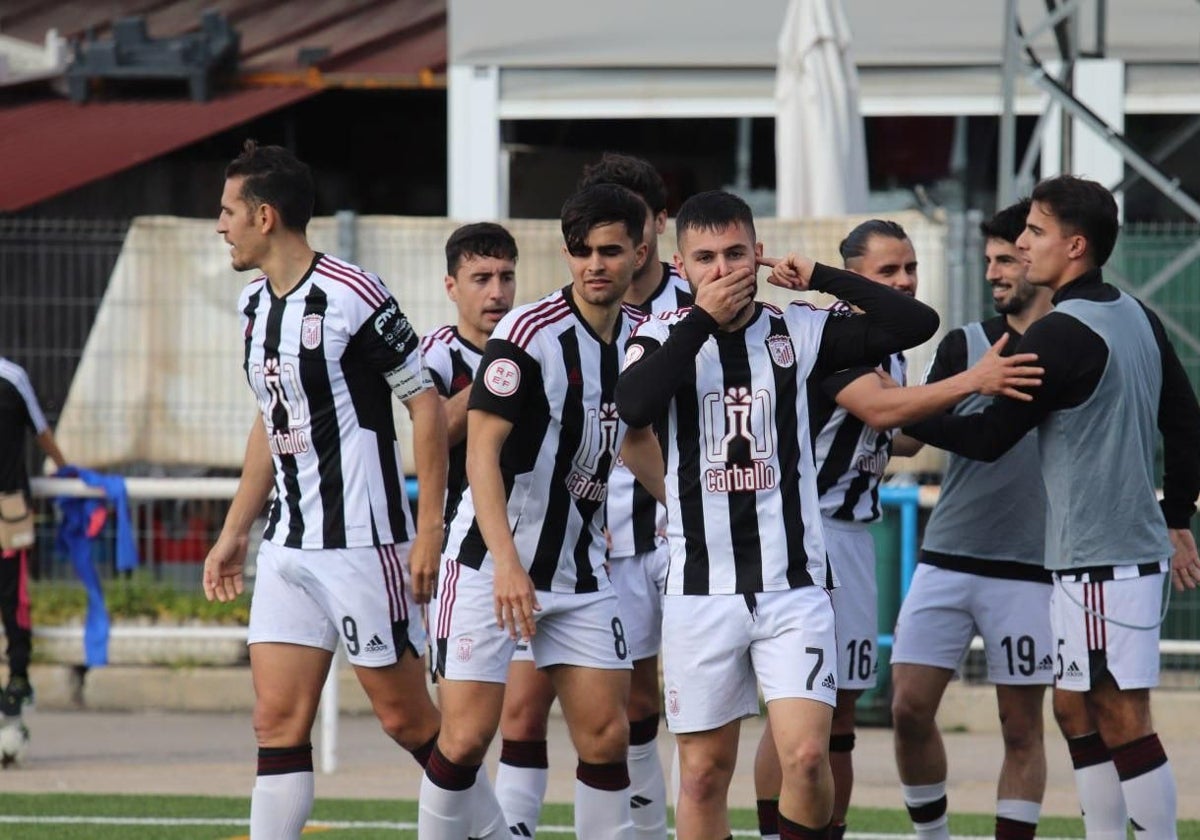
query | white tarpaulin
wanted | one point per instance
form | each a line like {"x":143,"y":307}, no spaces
{"x":820,"y":150}
{"x":161,"y":380}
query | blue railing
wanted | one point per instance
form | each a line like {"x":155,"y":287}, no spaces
{"x":906,"y":498}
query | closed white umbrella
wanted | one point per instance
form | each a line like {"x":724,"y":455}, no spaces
{"x":820,"y":151}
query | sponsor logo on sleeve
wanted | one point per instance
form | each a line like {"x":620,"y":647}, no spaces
{"x":502,"y":377}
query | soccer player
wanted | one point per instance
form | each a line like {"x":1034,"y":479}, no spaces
{"x":1111,"y":376}
{"x":982,"y":571}
{"x":856,"y":414}
{"x":745,"y":596}
{"x":524,"y":555}
{"x":481,"y":280}
{"x":637,"y":567}
{"x":19,"y":411}
{"x":481,"y":262}
{"x":326,"y":348}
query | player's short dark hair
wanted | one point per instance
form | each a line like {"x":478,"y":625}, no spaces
{"x":602,"y":204}
{"x":1082,"y":207}
{"x":632,"y":173}
{"x":275,"y":176}
{"x":1008,"y":223}
{"x":481,"y":239}
{"x":856,"y":241}
{"x":713,"y":210}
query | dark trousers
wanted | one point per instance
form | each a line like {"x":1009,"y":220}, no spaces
{"x":14,"y":609}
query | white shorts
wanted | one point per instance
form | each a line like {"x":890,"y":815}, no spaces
{"x":1090,"y":643}
{"x":639,"y":581}
{"x":944,"y":609}
{"x":311,"y":596}
{"x":851,"y":550}
{"x":717,"y":652}
{"x":572,"y":629}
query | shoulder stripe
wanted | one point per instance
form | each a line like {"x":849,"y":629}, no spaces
{"x":530,"y":322}
{"x":372,"y":279}
{"x":550,"y":319}
{"x":772,"y":308}
{"x":354,"y":287}
{"x":808,"y":305}
{"x":260,"y":280}
{"x":361,"y":285}
{"x":443,"y":334}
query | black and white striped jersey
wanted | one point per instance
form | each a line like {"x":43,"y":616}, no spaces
{"x":19,"y":410}
{"x":547,"y":372}
{"x":743,"y":515}
{"x":452,"y":362}
{"x":323,"y":362}
{"x":850,"y":455}
{"x":634,"y":517}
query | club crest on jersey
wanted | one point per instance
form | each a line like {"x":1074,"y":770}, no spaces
{"x":781,"y":350}
{"x":502,"y":377}
{"x":311,"y":331}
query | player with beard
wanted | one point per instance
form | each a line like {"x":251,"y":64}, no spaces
{"x":1113,"y":382}
{"x":981,"y":571}
{"x":857,"y":412}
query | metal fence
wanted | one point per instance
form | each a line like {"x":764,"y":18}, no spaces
{"x":54,"y":275}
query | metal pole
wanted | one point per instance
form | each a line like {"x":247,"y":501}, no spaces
{"x":1005,"y":189}
{"x":1167,"y":186}
{"x":329,"y":716}
{"x":347,"y":235}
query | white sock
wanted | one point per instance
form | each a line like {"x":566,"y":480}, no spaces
{"x":602,"y":814}
{"x":443,"y":814}
{"x":280,"y":805}
{"x":1148,"y":786}
{"x":520,"y":791}
{"x":647,"y":791}
{"x":929,"y":801}
{"x":488,"y":821}
{"x":1099,"y":788}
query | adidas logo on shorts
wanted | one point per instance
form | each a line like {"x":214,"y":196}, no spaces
{"x":1073,"y":671}
{"x":829,"y":682}
{"x":639,"y":802}
{"x":1047,"y":663}
{"x":375,"y":645}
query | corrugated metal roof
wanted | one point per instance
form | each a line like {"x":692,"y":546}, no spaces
{"x":53,"y":146}
{"x":272,"y":31}
{"x":50,"y":145}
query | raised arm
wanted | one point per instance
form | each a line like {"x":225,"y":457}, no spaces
{"x":890,"y":322}
{"x":655,"y":368}
{"x":882,"y":406}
